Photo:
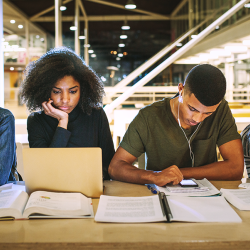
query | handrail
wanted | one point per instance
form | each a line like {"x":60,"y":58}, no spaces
{"x":109,"y":108}
{"x":159,"y":55}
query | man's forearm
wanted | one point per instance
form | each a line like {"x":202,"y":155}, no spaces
{"x":130,"y":173}
{"x":123,"y":171}
{"x":223,"y":170}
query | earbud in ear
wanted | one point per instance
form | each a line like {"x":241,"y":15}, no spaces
{"x":180,"y":98}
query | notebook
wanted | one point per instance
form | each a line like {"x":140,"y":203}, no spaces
{"x":63,"y":170}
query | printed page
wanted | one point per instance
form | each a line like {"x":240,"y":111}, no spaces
{"x":129,"y":209}
{"x":12,"y":203}
{"x":202,"y":209}
{"x":212,"y":190}
{"x":7,"y":198}
{"x":240,"y":198}
{"x":12,"y":186}
{"x":52,"y":203}
{"x":6,"y":186}
{"x":86,"y":211}
{"x":56,"y":201}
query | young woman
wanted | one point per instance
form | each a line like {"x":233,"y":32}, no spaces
{"x":70,"y":95}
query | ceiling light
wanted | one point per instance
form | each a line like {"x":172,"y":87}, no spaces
{"x":179,"y":44}
{"x":130,"y":5}
{"x":11,"y":68}
{"x":73,"y":28}
{"x":217,"y":27}
{"x":247,"y":5}
{"x":121,"y":45}
{"x":120,"y":55}
{"x":103,"y":79}
{"x":236,"y":48}
{"x":87,"y":45}
{"x":246,"y":42}
{"x":125,"y":53}
{"x":91,"y":51}
{"x":37,"y":36}
{"x":123,"y":36}
{"x":12,"y":21}
{"x":81,"y":37}
{"x":42,"y":39}
{"x":93,"y":55}
{"x":20,"y":26}
{"x":193,"y":36}
{"x":118,"y":58}
{"x":63,"y":8}
{"x":125,"y":27}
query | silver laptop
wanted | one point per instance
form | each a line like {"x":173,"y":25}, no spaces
{"x":63,"y":170}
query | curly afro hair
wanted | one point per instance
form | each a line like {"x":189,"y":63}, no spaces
{"x":41,"y":76}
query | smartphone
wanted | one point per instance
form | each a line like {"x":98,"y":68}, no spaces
{"x":188,"y":183}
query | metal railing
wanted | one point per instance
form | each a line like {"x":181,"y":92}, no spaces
{"x":110,"y":107}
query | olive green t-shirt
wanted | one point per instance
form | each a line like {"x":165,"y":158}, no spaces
{"x":155,"y":131}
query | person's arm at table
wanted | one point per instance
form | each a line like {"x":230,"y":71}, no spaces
{"x":121,"y":169}
{"x":7,"y":146}
{"x":231,"y":168}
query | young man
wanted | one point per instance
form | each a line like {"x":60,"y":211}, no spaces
{"x":179,"y":135}
{"x":7,"y":147}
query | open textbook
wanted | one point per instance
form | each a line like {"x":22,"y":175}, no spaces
{"x":240,"y":198}
{"x":17,"y":204}
{"x":164,"y":208}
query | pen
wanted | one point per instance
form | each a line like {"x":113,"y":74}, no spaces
{"x":152,"y":188}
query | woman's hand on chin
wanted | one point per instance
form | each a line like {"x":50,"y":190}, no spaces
{"x":60,"y":115}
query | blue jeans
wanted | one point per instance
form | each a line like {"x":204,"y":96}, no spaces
{"x":7,"y":147}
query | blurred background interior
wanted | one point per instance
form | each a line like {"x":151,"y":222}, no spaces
{"x":150,"y":45}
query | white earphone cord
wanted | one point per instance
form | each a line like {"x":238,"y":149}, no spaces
{"x":189,"y":145}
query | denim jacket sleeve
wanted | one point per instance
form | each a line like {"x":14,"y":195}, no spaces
{"x":7,"y":144}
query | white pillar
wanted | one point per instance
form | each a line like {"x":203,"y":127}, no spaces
{"x":27,"y":36}
{"x":86,"y":42}
{"x":45,"y":42}
{"x":190,"y":14}
{"x":58,"y":23}
{"x":1,"y":57}
{"x":86,"y":51}
{"x":229,"y":74}
{"x":77,"y":24}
